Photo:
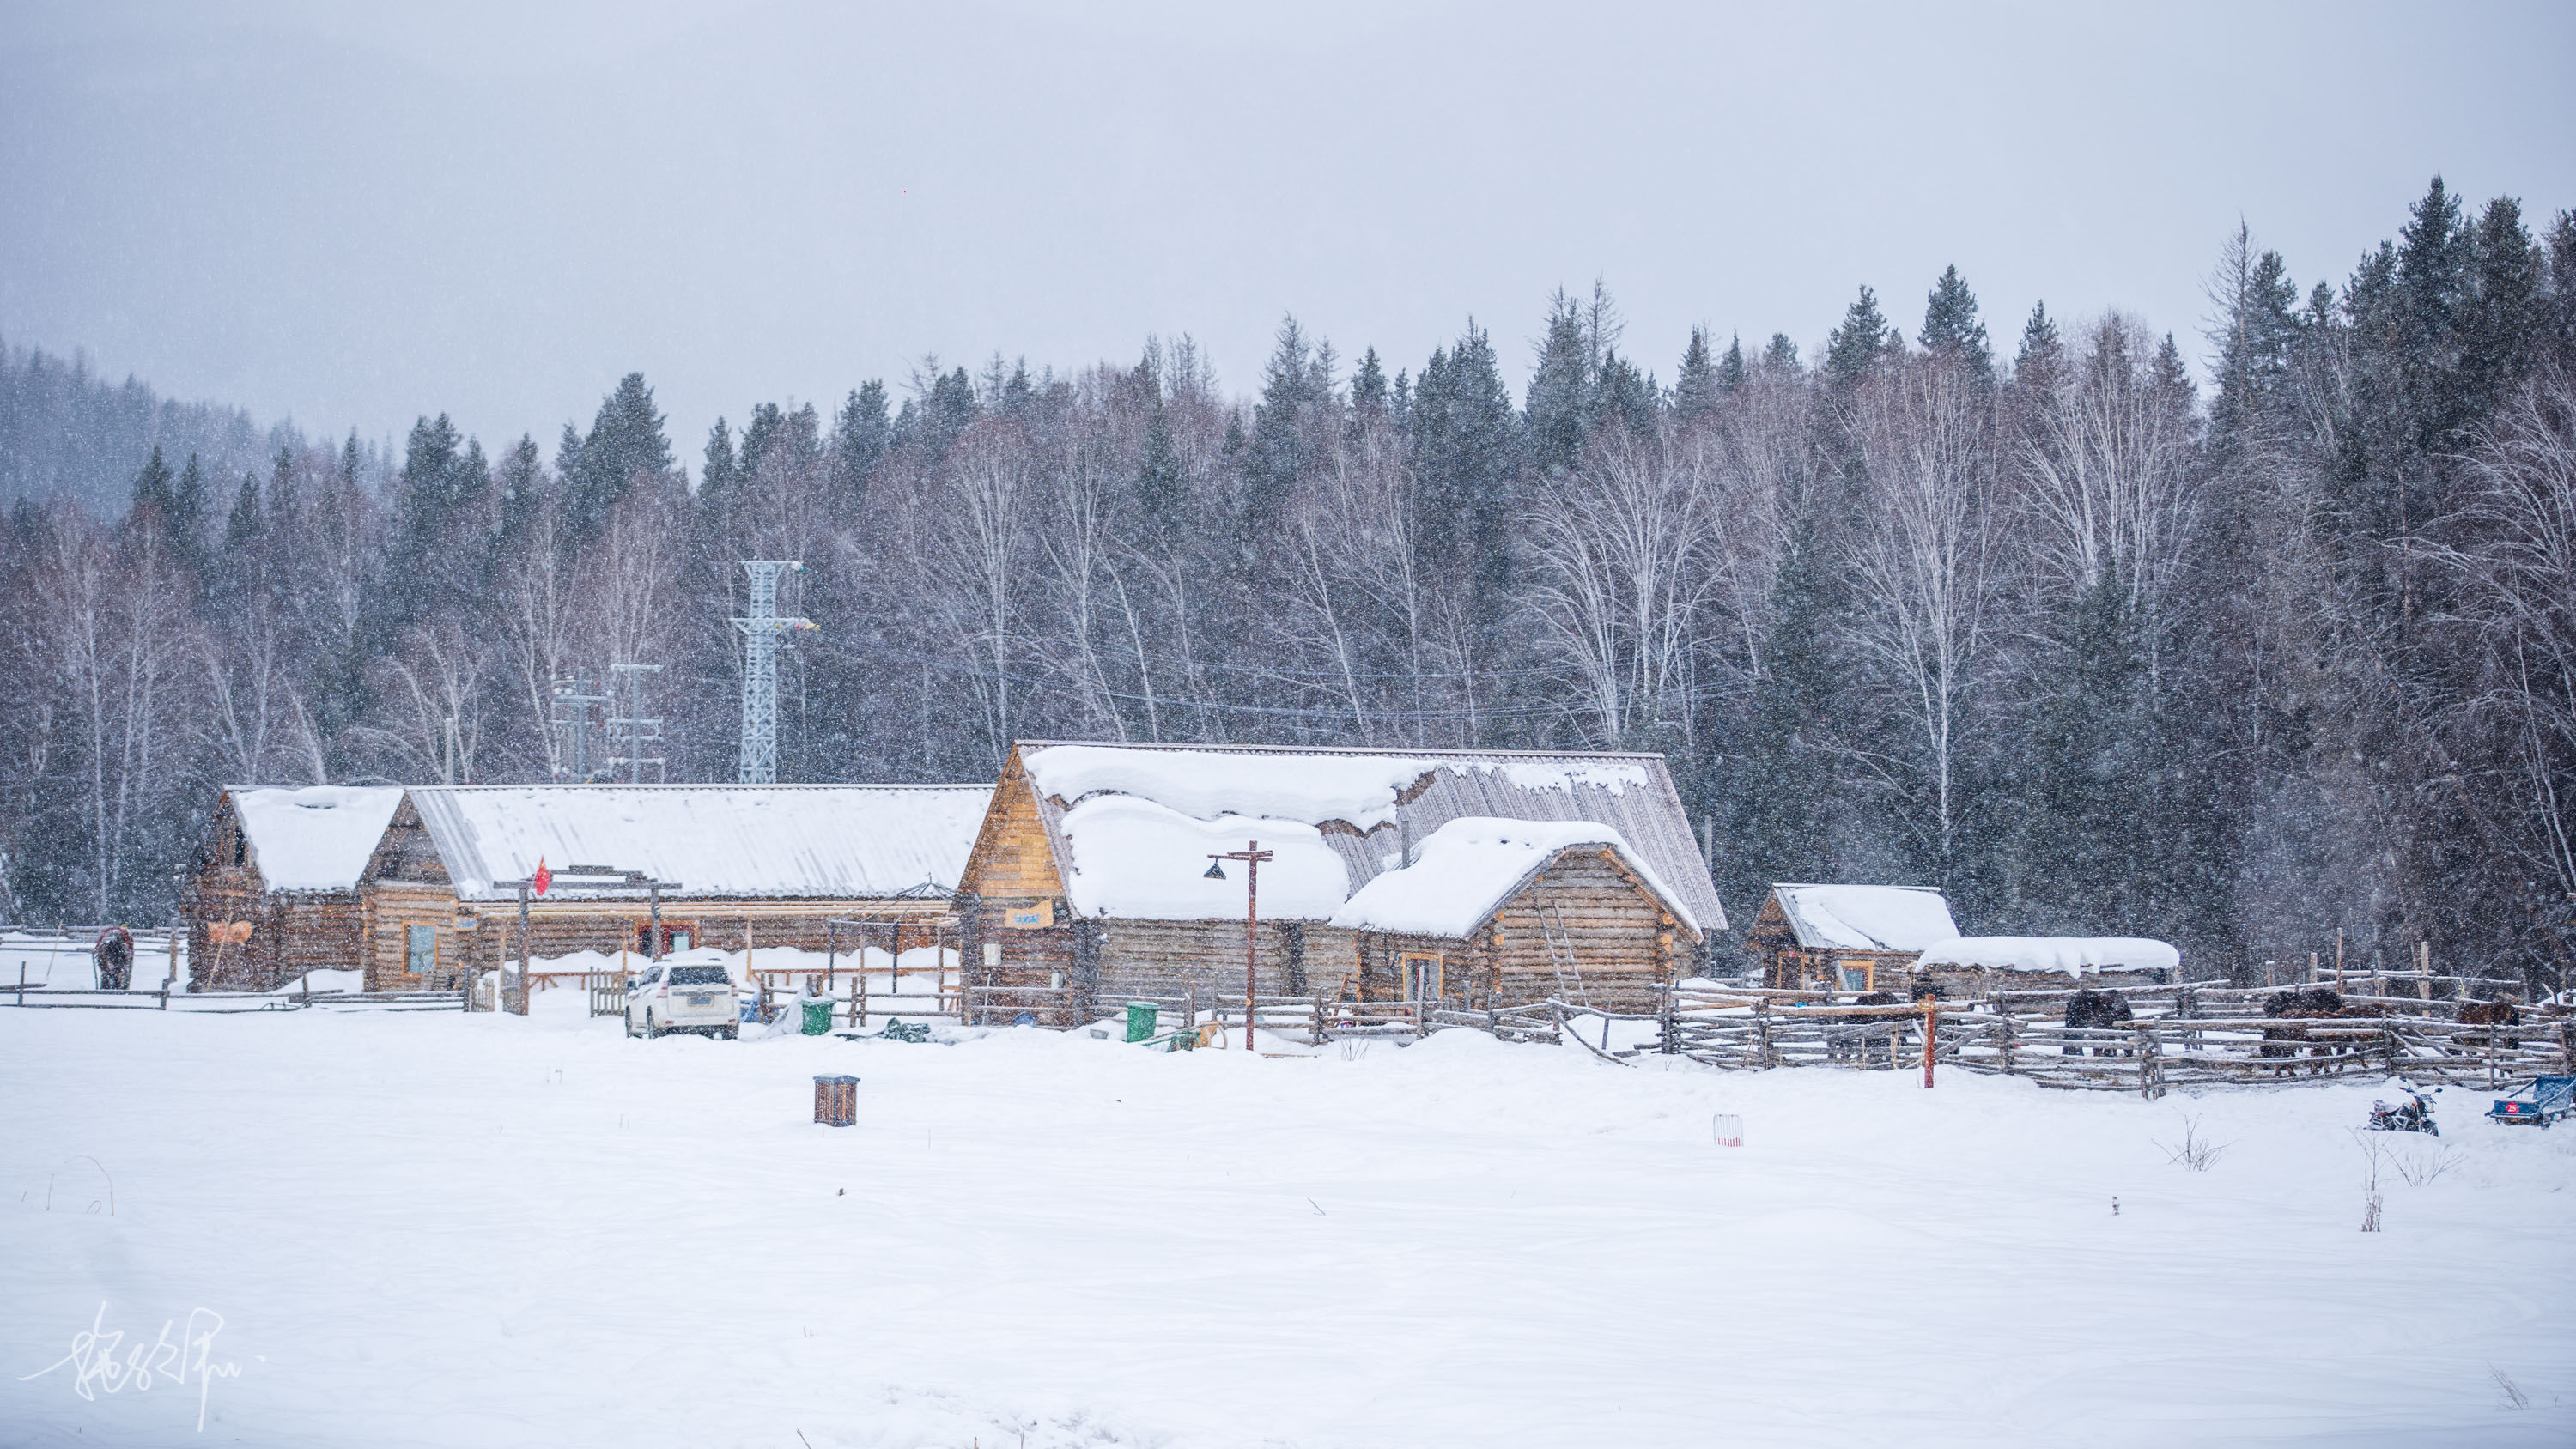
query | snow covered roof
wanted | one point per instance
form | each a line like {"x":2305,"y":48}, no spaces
{"x":1470,"y":866}
{"x":821,"y":842}
{"x":1865,"y":917}
{"x":314,"y":839}
{"x":2073,"y":955}
{"x":1358,"y":810}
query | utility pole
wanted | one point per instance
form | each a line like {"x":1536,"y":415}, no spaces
{"x":630,"y":732}
{"x":573,"y":698}
{"x":1252,"y":855}
{"x":764,"y":632}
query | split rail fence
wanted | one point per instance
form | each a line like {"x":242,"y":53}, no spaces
{"x":2182,"y":1035}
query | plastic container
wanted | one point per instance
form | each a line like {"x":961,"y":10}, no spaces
{"x":1140,"y":1020}
{"x":818,"y":1015}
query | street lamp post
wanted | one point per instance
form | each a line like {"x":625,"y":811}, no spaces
{"x":1252,"y":855}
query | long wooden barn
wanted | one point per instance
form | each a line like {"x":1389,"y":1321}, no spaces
{"x":748,"y":866}
{"x":1477,"y":878}
{"x":272,"y":892}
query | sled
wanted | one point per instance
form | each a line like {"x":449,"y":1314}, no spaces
{"x":2544,"y":1100}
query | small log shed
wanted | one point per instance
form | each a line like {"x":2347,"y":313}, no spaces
{"x":286,"y":862}
{"x":1846,"y":937}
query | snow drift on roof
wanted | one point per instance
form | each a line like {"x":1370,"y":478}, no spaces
{"x":825,"y":842}
{"x":317,"y":838}
{"x":1134,"y":858}
{"x":1314,"y":787}
{"x":1866,"y":917}
{"x":2073,"y":955}
{"x":1468,"y":867}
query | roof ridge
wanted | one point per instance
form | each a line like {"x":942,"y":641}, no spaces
{"x":1386,"y":751}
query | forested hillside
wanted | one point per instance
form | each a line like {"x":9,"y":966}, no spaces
{"x":66,"y":431}
{"x":2011,"y":606}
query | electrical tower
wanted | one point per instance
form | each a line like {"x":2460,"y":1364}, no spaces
{"x":764,"y":633}
{"x":572,"y":701}
{"x":630,"y":732}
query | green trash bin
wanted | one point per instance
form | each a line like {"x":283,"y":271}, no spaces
{"x":1140,"y":1020}
{"x":818,"y":1015}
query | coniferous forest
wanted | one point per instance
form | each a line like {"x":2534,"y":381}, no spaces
{"x":2238,"y":630}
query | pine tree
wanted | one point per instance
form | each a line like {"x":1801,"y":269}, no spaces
{"x":1561,"y":403}
{"x":152,"y":487}
{"x":241,"y":526}
{"x":1466,"y":446}
{"x":2258,"y":331}
{"x":1951,"y":326}
{"x":1731,"y":373}
{"x":2040,"y":364}
{"x":1780,"y":356}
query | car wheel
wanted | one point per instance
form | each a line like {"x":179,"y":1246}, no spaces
{"x":652,"y":1028}
{"x":727,"y":1032}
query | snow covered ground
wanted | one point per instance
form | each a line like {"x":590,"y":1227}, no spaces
{"x":443,"y":1229}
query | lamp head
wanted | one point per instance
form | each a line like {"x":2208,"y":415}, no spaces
{"x":1215,"y":871}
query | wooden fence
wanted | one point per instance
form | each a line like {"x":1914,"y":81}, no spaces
{"x":2181,"y":1035}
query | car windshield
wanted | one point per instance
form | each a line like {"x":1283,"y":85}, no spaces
{"x":699,"y":976}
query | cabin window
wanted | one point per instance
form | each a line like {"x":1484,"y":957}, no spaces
{"x":239,"y":847}
{"x":1855,"y":975}
{"x":1420,"y":975}
{"x":420,"y":949}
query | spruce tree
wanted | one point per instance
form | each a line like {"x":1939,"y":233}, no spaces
{"x":1561,"y":403}
{"x":1162,"y":489}
{"x":1731,"y":373}
{"x":1951,"y":326}
{"x":626,"y":445}
{"x":861,"y":436}
{"x":1857,"y":344}
{"x":1698,"y":385}
{"x":1280,"y":454}
{"x":1368,"y":385}
{"x":1780,"y":355}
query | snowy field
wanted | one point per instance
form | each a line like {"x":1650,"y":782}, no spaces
{"x":440,"y":1229}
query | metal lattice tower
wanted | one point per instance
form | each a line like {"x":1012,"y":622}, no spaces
{"x":764,"y":633}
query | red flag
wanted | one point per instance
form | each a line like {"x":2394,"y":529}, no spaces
{"x":543,"y":877}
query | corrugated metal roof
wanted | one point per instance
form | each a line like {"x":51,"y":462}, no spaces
{"x":1371,"y":802}
{"x":822,"y":842}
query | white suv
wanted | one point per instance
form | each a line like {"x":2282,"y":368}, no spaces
{"x":683,"y":994}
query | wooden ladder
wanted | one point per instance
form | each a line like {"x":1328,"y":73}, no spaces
{"x":1560,"y":955}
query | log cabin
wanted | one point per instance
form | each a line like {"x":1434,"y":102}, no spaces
{"x":747,"y":866}
{"x":1846,"y":937}
{"x":1984,"y":965}
{"x":285,"y":863}
{"x":1476,"y":878}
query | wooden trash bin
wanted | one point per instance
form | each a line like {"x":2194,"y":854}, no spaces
{"x":836,"y":1101}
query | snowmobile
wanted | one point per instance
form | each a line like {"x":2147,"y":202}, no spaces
{"x":2415,"y":1115}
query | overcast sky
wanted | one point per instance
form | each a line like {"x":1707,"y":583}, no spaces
{"x":352,"y":216}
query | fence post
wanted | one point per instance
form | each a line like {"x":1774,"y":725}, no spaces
{"x":2011,"y":1025}
{"x":1931,"y":1023}
{"x":1670,"y":1024}
{"x":1315,"y":1035}
{"x":1762,"y":1059}
{"x":2150,"y":1064}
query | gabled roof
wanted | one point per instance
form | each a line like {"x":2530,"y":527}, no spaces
{"x":1130,"y":826}
{"x":818,"y":842}
{"x":1865,"y":917}
{"x":316,"y":838}
{"x":1471,"y":866}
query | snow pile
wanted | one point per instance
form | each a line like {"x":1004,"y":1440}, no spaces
{"x":1359,"y":789}
{"x":1613,"y":776}
{"x":1466,"y":868}
{"x":317,"y":838}
{"x":2073,"y":955}
{"x":828,"y":842}
{"x":1866,"y":917}
{"x":1135,"y":858}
